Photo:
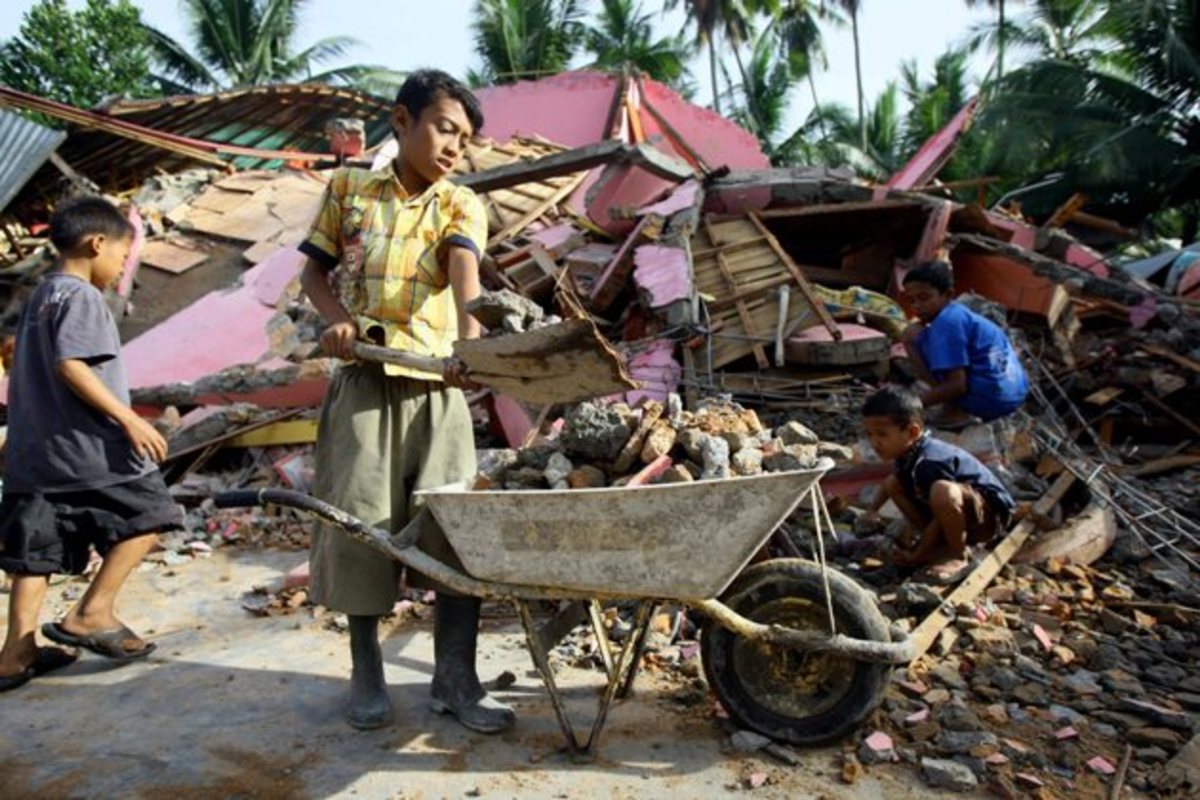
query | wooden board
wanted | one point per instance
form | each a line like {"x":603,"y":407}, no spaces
{"x":176,"y":255}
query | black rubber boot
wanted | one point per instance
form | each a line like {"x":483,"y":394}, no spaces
{"x":370,"y":706}
{"x":456,"y":686}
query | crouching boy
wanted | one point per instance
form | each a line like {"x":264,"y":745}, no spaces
{"x":943,"y":491}
{"x":968,"y":360}
{"x":80,"y":467}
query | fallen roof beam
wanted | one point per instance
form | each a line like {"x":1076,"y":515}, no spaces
{"x":580,"y":159}
{"x":197,"y":149}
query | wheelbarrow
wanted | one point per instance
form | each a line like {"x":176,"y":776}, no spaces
{"x":794,"y":650}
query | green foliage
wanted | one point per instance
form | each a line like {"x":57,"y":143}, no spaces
{"x":241,"y":43}
{"x":79,"y":57}
{"x":622,"y":35}
{"x":525,"y":39}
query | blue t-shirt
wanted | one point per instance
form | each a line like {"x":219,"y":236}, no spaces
{"x":56,"y":441}
{"x":958,"y":338}
{"x":930,"y":460}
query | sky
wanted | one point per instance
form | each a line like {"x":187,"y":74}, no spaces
{"x":406,"y":34}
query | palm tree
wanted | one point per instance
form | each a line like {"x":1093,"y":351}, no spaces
{"x":731,"y":18}
{"x":763,"y":92}
{"x":623,"y":35}
{"x":1000,"y":31}
{"x":525,"y":39}
{"x":1123,"y":129}
{"x":852,"y":7}
{"x":1060,"y":29}
{"x":832,"y":137}
{"x":248,"y":42}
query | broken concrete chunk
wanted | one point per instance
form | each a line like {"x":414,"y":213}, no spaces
{"x":689,"y":439}
{"x":838,"y":452}
{"x":747,"y":462}
{"x":945,"y":774}
{"x":659,"y":441}
{"x":714,"y":452}
{"x":587,"y":477}
{"x":795,"y":433}
{"x":651,"y":413}
{"x":792,"y":457}
{"x":558,"y":467}
{"x":494,"y":463}
{"x":524,"y":478}
{"x":594,"y":432}
{"x":676,"y":474}
{"x":505,"y":311}
{"x":538,"y":456}
{"x":739,"y":441}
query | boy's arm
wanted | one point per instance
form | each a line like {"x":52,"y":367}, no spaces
{"x":338,"y":338}
{"x":949,"y":389}
{"x":146,"y":441}
{"x":463,"y":269}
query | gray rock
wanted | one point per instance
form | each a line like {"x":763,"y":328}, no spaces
{"x":945,"y":774}
{"x":689,"y":439}
{"x":1083,"y":682}
{"x":505,"y":311}
{"x":748,"y":741}
{"x":558,"y":467}
{"x":956,"y":717}
{"x":947,"y":672}
{"x":961,"y":742}
{"x":538,"y":456}
{"x":838,"y":452}
{"x":1062,"y":713}
{"x":748,"y":461}
{"x":594,"y":432}
{"x":795,"y":433}
{"x":917,"y":599}
{"x":1167,"y":675}
{"x":714,"y":453}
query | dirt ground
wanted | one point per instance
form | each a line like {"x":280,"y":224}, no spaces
{"x":237,"y":706}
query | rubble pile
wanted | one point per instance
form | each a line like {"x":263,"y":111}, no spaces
{"x":601,"y":445}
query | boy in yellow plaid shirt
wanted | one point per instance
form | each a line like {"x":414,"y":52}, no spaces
{"x":402,"y":247}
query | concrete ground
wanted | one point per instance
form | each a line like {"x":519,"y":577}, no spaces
{"x":233,"y":705}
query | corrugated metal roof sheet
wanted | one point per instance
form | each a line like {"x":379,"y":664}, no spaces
{"x":26,"y":145}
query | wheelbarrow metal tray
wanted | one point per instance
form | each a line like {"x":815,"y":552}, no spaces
{"x":672,"y":541}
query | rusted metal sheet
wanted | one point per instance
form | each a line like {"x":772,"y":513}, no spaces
{"x":26,"y":145}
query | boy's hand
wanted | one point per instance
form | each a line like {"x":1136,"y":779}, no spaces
{"x":455,"y":373}
{"x":146,"y":440}
{"x":338,"y":340}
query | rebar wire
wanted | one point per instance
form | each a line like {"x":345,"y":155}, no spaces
{"x":818,"y":502}
{"x":1157,"y":526}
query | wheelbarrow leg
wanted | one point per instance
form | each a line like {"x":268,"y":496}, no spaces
{"x":621,"y":679}
{"x":601,"y":634}
{"x":542,"y":662}
{"x":641,"y":630}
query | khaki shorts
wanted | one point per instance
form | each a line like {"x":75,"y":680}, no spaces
{"x":379,"y":439}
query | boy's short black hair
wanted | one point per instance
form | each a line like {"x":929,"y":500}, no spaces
{"x":80,"y":217}
{"x":900,"y":405}
{"x":421,"y":88}
{"x":937,"y":274}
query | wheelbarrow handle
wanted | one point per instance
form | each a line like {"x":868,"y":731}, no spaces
{"x":243,"y":498}
{"x":386,"y":355}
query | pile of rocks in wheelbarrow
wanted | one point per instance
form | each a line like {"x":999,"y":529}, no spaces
{"x":598,"y":444}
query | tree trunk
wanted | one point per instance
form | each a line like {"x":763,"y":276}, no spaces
{"x":1000,"y":44}
{"x":712,"y":68}
{"x":812,"y":87}
{"x":862,"y":120}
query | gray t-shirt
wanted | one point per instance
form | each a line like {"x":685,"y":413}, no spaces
{"x":56,"y":441}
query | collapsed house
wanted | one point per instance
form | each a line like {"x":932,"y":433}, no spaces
{"x":715,"y":275}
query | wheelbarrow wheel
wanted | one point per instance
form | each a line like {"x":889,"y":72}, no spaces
{"x":792,"y":696}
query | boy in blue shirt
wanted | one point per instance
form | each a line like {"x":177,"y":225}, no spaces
{"x":80,"y":466}
{"x":968,"y":360}
{"x":943,"y":491}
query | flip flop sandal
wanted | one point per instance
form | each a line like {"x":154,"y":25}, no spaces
{"x":49,"y":659}
{"x":10,"y":682}
{"x":110,"y":644}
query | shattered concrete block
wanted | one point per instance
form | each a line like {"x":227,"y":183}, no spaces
{"x":689,"y":439}
{"x":538,"y":456}
{"x":675,"y":409}
{"x":558,"y":467}
{"x":739,"y":441}
{"x":945,"y":774}
{"x":651,"y":413}
{"x":659,"y":441}
{"x":795,"y":433}
{"x":594,"y":432}
{"x":792,"y":457}
{"x":505,"y":311}
{"x":587,"y":477}
{"x":747,"y":462}
{"x":676,"y":474}
{"x":714,"y":452}
{"x":524,"y":478}
{"x":877,"y":748}
{"x":838,"y":452}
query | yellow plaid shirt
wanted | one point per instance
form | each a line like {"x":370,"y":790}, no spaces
{"x":387,"y":248}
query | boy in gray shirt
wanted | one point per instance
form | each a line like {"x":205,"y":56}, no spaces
{"x":80,"y":465}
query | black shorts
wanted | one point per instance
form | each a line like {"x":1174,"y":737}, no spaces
{"x":42,"y":534}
